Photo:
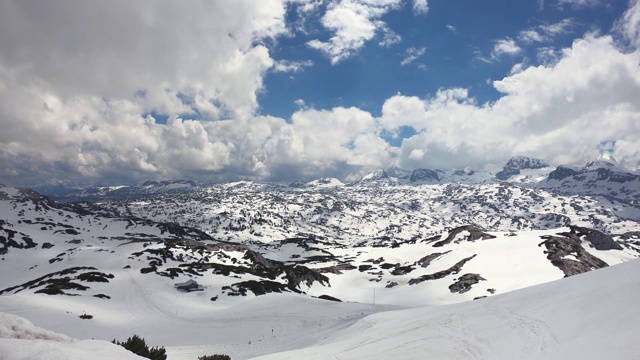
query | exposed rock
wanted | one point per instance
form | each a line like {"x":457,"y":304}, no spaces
{"x":464,"y":283}
{"x":363,"y":268}
{"x":599,"y":240}
{"x":517,"y":163}
{"x":562,"y":172}
{"x":561,"y":249}
{"x":391,"y":284}
{"x":402,"y":270}
{"x":425,"y":261}
{"x":336,"y":269}
{"x":330,"y":298}
{"x":475,"y":233}
{"x":440,"y":274}
{"x":424,"y":175}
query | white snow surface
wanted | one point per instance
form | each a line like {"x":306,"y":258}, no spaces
{"x":588,"y":317}
{"x":21,"y":340}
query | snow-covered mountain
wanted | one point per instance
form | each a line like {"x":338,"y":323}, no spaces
{"x":518,"y":163}
{"x":599,"y":177}
{"x":425,"y":238}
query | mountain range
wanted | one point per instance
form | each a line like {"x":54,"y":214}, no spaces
{"x":390,"y":240}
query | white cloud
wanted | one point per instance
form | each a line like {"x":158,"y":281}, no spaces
{"x":629,"y":24}
{"x":77,"y":83}
{"x":352,"y":23}
{"x":291,"y":66}
{"x":530,"y":36}
{"x":559,"y":28}
{"x":505,"y":47}
{"x":173,"y":54}
{"x":579,"y":3}
{"x":389,"y":37}
{"x":420,"y":7}
{"x":412,"y":54}
{"x":548,"y":55}
{"x":76,"y":79}
{"x":451,"y":28}
{"x":546,"y":32}
{"x":560,"y":112}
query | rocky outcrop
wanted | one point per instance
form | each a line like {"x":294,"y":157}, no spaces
{"x":568,"y":255}
{"x":599,"y":240}
{"x":426,"y":260}
{"x":475,"y":233}
{"x":440,"y":274}
{"x":464,"y":283}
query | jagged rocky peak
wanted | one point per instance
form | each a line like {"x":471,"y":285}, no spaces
{"x":517,"y":163}
{"x":419,"y":175}
{"x":603,"y":161}
{"x":376,"y":175}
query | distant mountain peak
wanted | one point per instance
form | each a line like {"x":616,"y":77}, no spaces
{"x":376,"y":175}
{"x":424,"y":175}
{"x":517,"y":163}
{"x":605,"y":160}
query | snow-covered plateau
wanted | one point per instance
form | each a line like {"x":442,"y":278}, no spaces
{"x":424,"y":263}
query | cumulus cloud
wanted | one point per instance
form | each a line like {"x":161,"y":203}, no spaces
{"x":77,"y":78}
{"x":118,"y":49}
{"x":353,"y":23}
{"x":80,"y":86}
{"x":560,"y":112}
{"x":412,"y":54}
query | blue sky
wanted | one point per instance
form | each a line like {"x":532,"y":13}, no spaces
{"x":282,"y":90}
{"x":455,"y":36}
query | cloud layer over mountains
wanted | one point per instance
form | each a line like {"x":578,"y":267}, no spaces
{"x":83,"y":86}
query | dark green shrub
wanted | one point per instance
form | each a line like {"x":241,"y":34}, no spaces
{"x":137,"y":345}
{"x":214,"y":357}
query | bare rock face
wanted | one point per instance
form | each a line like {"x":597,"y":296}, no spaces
{"x":424,"y":175}
{"x":426,"y":260}
{"x":568,"y":255}
{"x":562,"y":172}
{"x":475,"y":233}
{"x":599,"y":240}
{"x":440,"y":274}
{"x":464,"y":283}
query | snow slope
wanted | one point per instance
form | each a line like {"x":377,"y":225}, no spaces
{"x":589,"y":317}
{"x":21,"y":340}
